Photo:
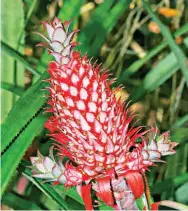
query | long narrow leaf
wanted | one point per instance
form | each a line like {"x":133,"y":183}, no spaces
{"x":183,"y":120}
{"x":18,"y":57}
{"x":15,"y":89}
{"x":12,"y":12}
{"x":71,"y":192}
{"x":173,"y":182}
{"x":102,"y":21}
{"x":19,"y":203}
{"x":182,"y":60}
{"x":25,"y":108}
{"x":47,"y":189}
{"x":13,"y":155}
{"x":138,"y":64}
{"x":157,"y":76}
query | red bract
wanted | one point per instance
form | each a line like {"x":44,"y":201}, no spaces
{"x":86,"y":195}
{"x":133,"y":179}
{"x":92,"y":128}
{"x":104,"y":190}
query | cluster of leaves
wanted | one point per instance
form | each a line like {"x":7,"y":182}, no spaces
{"x":152,"y":67}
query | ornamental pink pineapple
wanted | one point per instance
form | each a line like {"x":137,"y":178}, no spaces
{"x":92,"y":128}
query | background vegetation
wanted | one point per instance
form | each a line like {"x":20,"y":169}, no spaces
{"x":143,"y":43}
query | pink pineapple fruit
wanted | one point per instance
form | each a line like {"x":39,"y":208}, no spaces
{"x":92,"y":128}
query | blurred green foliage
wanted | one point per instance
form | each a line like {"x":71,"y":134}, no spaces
{"x":152,"y":66}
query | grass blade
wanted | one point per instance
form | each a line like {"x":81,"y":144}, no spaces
{"x":15,"y":89}
{"x":12,"y":12}
{"x":157,"y":76}
{"x":19,"y":203}
{"x":102,"y":21}
{"x":18,"y":57}
{"x":47,"y":189}
{"x":180,"y":122}
{"x":181,"y":58}
{"x":138,"y":64}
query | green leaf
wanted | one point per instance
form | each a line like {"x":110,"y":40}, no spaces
{"x":12,"y":23}
{"x":11,"y":158}
{"x":73,"y":204}
{"x":182,"y":161}
{"x":185,"y":41}
{"x":59,"y":190}
{"x":31,"y":7}
{"x":23,"y":111}
{"x":139,"y":63}
{"x":182,"y":193}
{"x":179,"y":135}
{"x":180,"y":122}
{"x":11,"y":88}
{"x":157,"y":76}
{"x":181,"y":58}
{"x":47,"y":189}
{"x":179,"y":160}
{"x":101,"y":23}
{"x":70,"y":12}
{"x":169,"y":183}
{"x":105,"y":207}
{"x":71,"y":192}
{"x":18,"y":202}
{"x":18,"y":57}
{"x":141,"y":202}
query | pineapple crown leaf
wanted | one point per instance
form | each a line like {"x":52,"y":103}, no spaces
{"x":59,"y":41}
